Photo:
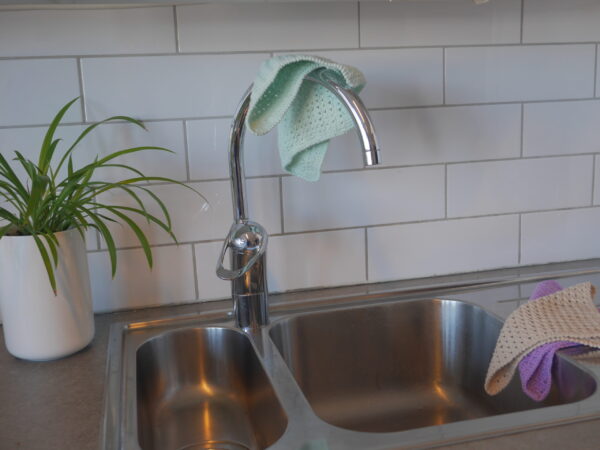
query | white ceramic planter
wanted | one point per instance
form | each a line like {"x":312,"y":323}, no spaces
{"x":37,"y":324}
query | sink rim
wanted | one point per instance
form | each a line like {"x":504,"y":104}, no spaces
{"x":126,"y":336}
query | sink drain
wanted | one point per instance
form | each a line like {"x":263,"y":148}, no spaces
{"x":215,"y":445}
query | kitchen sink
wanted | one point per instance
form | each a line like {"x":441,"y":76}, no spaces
{"x":205,"y":388}
{"x":358,"y":368}
{"x":406,"y":365}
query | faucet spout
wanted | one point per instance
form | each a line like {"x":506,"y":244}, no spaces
{"x":358,"y":112}
{"x":352,"y":102}
{"x":247,"y":240}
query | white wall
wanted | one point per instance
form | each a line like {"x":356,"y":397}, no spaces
{"x":488,"y":117}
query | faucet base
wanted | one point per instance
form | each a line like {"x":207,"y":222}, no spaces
{"x":251,"y":311}
{"x":246,"y":244}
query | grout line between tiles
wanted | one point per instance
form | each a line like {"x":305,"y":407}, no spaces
{"x":369,"y":226}
{"x":492,"y":103}
{"x":81,"y":6}
{"x":520,"y":238}
{"x":358,"y":22}
{"x":444,"y":76}
{"x":81,"y":90}
{"x":186,"y":151}
{"x":390,"y":167}
{"x":593,"y":179}
{"x":446,"y":191}
{"x":522,"y":129}
{"x":195,"y":269}
{"x":281,"y":204}
{"x":145,"y":120}
{"x":295,"y":50}
{"x":176,"y":30}
{"x":390,"y":108}
{"x":522,"y":21}
{"x":596,"y":73}
{"x":525,"y":158}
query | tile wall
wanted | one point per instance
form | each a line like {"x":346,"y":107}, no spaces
{"x":488,"y":116}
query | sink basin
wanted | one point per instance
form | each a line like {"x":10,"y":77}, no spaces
{"x":355,"y":368}
{"x":204,"y":388}
{"x":400,"y":366}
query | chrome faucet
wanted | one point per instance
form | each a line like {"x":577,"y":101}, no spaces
{"x":247,"y":240}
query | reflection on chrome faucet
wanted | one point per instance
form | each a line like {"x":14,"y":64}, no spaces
{"x":246,"y":242}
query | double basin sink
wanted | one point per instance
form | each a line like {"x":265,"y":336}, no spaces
{"x":377,"y":373}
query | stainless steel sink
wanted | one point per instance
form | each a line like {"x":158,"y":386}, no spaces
{"x":401,"y":366}
{"x":205,"y":388}
{"x":358,"y":368}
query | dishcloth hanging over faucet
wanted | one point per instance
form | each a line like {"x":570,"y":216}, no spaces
{"x":308,"y":115}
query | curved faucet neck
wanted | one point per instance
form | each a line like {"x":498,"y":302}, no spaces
{"x":236,"y":159}
{"x":352,"y":102}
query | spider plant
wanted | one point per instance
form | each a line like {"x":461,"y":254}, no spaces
{"x":46,"y":202}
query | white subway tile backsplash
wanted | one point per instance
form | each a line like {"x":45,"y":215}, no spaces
{"x":294,"y":262}
{"x":106,"y":139}
{"x":396,"y":78}
{"x":561,"y":128}
{"x":434,"y":248}
{"x":210,"y":287}
{"x":448,"y":22}
{"x":365,"y":197}
{"x":264,"y":205}
{"x":28,"y":142}
{"x":560,"y":236}
{"x":166,"y":87}
{"x":91,"y":239}
{"x":514,"y":73}
{"x":316,"y":259}
{"x":448,"y":134}
{"x":413,"y":137}
{"x":208,"y":142}
{"x":86,"y":32}
{"x":192,"y":219}
{"x":445,"y":83}
{"x":560,"y":21}
{"x":32,"y":91}
{"x":171,"y":280}
{"x":267,"y":26}
{"x":207,"y":148}
{"x":345,"y":152}
{"x":518,"y":185}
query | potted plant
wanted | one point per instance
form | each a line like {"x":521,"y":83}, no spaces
{"x":45,"y":296}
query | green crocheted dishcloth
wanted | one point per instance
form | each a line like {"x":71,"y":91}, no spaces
{"x":308,"y":114}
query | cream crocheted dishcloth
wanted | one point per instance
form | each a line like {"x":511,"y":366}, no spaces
{"x":568,"y":315}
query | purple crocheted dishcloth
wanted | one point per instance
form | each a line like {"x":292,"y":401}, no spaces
{"x":535,"y":368}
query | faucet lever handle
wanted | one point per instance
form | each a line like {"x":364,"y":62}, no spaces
{"x":247,"y":241}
